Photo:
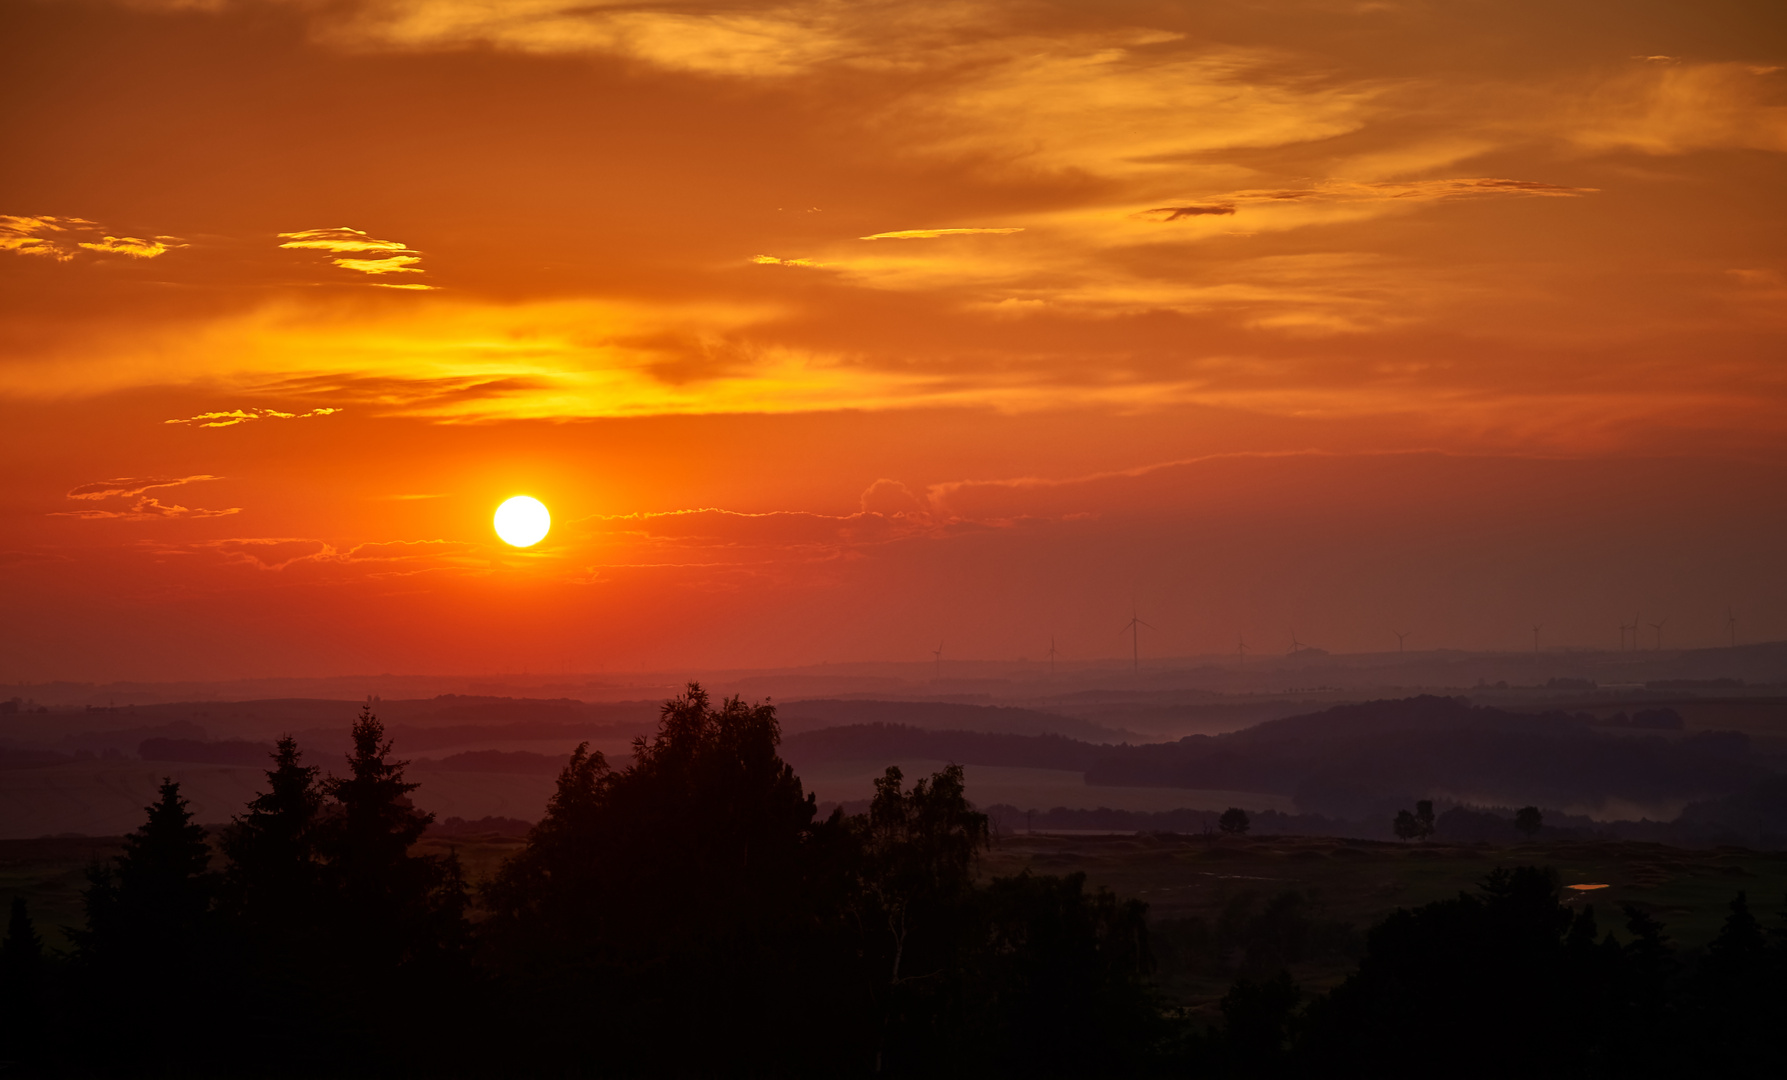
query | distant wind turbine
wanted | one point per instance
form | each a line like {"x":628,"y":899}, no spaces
{"x":1536,"y":630}
{"x":937,"y":655}
{"x":1296,"y":646}
{"x":1051,"y":656}
{"x":1241,"y":647}
{"x":1731,"y":625}
{"x":1658,"y":627}
{"x":1400,"y":635}
{"x":1134,"y":628}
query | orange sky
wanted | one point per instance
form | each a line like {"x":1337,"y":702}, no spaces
{"x":832,"y":330}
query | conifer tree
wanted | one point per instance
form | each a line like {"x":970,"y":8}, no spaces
{"x":150,"y":951}
{"x":21,"y":980}
{"x":155,"y":902}
{"x":390,"y":906}
{"x":272,"y":878}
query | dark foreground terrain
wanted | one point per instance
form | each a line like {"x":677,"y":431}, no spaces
{"x":693,"y":914}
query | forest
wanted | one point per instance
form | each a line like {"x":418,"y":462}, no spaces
{"x":692,"y":914}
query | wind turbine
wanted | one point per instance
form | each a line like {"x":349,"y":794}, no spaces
{"x":1400,"y":635}
{"x":1134,"y":627}
{"x":1536,"y":630}
{"x":1731,"y":625}
{"x":1296,"y":646}
{"x":1241,"y":647}
{"x":1658,"y":627}
{"x":937,"y":655}
{"x":1051,"y":656}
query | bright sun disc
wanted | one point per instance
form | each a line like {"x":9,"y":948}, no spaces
{"x":522,"y":521}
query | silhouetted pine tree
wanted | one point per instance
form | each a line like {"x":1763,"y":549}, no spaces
{"x":149,"y":954}
{"x":22,"y":986}
{"x":391,"y":907}
{"x":1742,"y":1012}
{"x":271,"y":883}
{"x":154,"y":903}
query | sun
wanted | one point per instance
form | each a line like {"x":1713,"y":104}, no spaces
{"x":522,"y":521}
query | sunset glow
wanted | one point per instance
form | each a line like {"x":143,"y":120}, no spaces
{"x":868,"y":324}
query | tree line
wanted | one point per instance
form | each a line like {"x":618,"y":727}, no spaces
{"x":692,"y":915}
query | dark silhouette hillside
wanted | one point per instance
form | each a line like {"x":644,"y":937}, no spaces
{"x":691,"y":914}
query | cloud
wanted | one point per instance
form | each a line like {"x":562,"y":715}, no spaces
{"x":928,"y":234}
{"x":126,"y":486}
{"x":232,"y":417}
{"x":1408,"y":191}
{"x":57,"y":238}
{"x":395,"y":264}
{"x":771,"y":260}
{"x":1677,"y":108}
{"x":1174,"y":213}
{"x":25,"y":235}
{"x":148,"y":508}
{"x":380,"y":559}
{"x":393,"y":256}
{"x":145,"y":507}
{"x":135,"y":248}
{"x":339,"y":241}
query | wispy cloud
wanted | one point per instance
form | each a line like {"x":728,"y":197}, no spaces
{"x":144,"y":507}
{"x":134,"y":247}
{"x":340,"y":241}
{"x":771,"y":260}
{"x":394,"y":264}
{"x":351,"y":249}
{"x":232,"y":417}
{"x":1174,"y":213}
{"x":930,"y":234}
{"x":58,"y":238}
{"x":126,"y":486}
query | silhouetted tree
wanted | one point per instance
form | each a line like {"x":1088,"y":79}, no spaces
{"x":1433,"y":979}
{"x":21,"y":985}
{"x":1528,"y":820}
{"x":1234,"y":821}
{"x":155,"y":901}
{"x":1258,"y":1023}
{"x":691,"y":891}
{"x":1742,"y":1005}
{"x":1055,"y":984}
{"x":150,"y":949}
{"x":917,"y":860}
{"x":1405,"y":826}
{"x":273,"y":878}
{"x":392,"y":907}
{"x":1415,"y":826}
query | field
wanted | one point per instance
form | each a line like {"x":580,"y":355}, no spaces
{"x":1359,"y":882}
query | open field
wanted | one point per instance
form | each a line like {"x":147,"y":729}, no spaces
{"x":1358,"y":882}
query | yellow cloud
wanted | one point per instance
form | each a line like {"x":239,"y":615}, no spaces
{"x":343,"y":240}
{"x":927,"y":234}
{"x":771,"y":260}
{"x":135,"y":248}
{"x":232,"y":417}
{"x":394,"y":257}
{"x":395,"y":264}
{"x":32,"y":235}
